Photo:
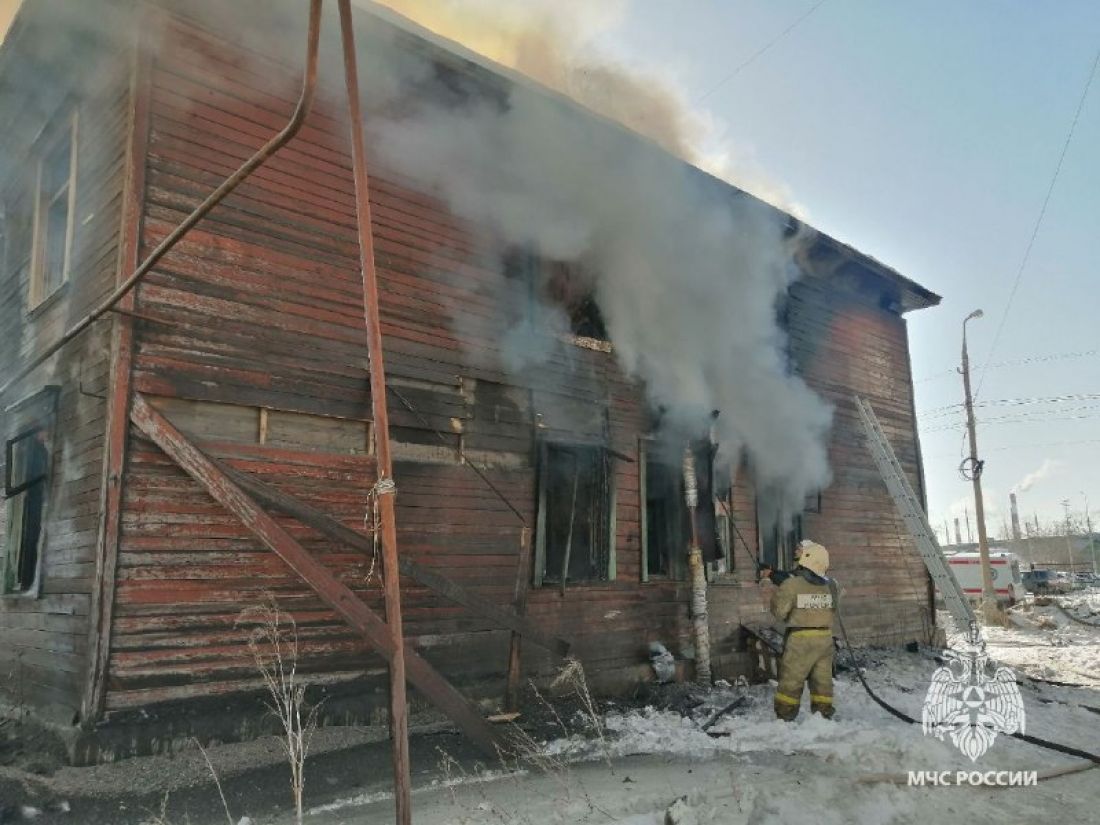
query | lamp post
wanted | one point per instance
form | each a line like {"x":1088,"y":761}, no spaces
{"x":1088,"y":527}
{"x":1069,"y":544}
{"x":989,"y":596}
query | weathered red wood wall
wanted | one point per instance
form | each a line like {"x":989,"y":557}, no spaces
{"x":43,"y":655}
{"x":251,"y":340}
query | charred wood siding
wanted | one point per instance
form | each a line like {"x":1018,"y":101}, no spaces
{"x":43,"y":655}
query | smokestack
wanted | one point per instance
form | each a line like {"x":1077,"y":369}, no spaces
{"x":958,"y":535}
{"x":1015,"y":517}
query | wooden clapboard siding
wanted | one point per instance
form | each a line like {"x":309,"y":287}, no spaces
{"x":44,"y":649}
{"x":257,"y":317}
{"x":845,"y":344}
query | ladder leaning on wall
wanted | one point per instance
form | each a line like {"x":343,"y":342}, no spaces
{"x":916,"y":522}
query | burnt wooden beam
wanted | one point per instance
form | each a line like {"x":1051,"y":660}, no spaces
{"x":320,"y":579}
{"x":327,"y":526}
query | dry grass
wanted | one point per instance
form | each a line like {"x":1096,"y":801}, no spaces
{"x":273,"y":641}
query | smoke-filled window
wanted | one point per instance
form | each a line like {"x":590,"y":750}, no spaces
{"x":53,"y":212}
{"x":570,"y":288}
{"x":563,"y":287}
{"x":575,"y":518}
{"x":779,"y":529}
{"x":26,"y":472}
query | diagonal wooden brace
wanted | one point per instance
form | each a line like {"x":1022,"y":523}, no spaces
{"x":326,"y":525}
{"x":332,"y":591}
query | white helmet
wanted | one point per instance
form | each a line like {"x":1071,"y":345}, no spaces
{"x":813,"y":557}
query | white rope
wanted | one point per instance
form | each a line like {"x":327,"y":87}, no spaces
{"x":382,"y":487}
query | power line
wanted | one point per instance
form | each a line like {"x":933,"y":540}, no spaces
{"x":1039,"y":221}
{"x":1028,"y":446}
{"x":1010,"y":419}
{"x":948,"y":409}
{"x":1021,"y":362}
{"x":759,"y":52}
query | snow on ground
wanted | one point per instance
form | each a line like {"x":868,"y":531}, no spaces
{"x":1045,"y":643}
{"x":637,"y":763}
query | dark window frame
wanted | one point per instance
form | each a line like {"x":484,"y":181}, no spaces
{"x":33,"y":417}
{"x":542,"y":576}
{"x":676,"y":563}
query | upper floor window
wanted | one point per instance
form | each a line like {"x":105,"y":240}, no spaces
{"x":54,"y":204}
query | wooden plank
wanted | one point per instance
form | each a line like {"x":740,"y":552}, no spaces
{"x":330,"y":589}
{"x":523,"y":577}
{"x":328,"y":526}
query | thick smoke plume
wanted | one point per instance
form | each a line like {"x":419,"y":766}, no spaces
{"x":686,"y":271}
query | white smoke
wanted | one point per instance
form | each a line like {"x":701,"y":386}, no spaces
{"x":1031,"y":479}
{"x":687,"y":272}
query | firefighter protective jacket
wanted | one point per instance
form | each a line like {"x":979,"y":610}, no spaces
{"x":804,"y":600}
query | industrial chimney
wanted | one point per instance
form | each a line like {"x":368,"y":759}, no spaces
{"x":1015,"y":517}
{"x":958,"y":535}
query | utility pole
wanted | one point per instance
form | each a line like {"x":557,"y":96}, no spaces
{"x":1088,"y":526}
{"x":989,"y":596}
{"x":1069,"y":541}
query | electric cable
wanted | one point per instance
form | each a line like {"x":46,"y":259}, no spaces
{"x":477,"y":470}
{"x":1039,"y":221}
{"x":759,"y":52}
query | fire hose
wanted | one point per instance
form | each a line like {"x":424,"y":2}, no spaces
{"x":904,"y":717}
{"x":899,"y":714}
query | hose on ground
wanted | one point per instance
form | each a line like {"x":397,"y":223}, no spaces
{"x":882,"y":703}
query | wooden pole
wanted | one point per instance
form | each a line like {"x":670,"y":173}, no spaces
{"x":385,"y":490}
{"x":519,"y":604}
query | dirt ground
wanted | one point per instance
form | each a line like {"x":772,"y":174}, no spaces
{"x":36,"y":785}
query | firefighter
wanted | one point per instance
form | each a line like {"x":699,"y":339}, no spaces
{"x":804,"y":601}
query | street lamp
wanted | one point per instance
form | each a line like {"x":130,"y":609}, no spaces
{"x":1088,"y":527}
{"x":972,"y":469}
{"x":1069,"y":544}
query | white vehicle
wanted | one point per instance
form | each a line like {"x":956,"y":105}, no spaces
{"x":1005,"y":567}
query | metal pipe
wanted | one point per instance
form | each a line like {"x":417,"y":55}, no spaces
{"x":305,"y":101}
{"x":399,"y":721}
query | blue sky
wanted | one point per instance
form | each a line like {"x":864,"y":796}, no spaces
{"x":926,"y":134}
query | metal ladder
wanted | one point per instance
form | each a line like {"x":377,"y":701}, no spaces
{"x":909,"y":507}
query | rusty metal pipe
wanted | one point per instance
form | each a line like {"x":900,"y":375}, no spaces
{"x":399,"y":719}
{"x":305,"y":102}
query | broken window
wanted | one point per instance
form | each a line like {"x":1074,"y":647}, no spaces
{"x":53,"y":222}
{"x":575,"y":535}
{"x":568,"y":286}
{"x":26,"y":481}
{"x":666,"y":527}
{"x":564,"y":285}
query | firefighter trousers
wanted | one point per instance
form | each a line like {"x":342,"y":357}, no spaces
{"x":807,"y":656}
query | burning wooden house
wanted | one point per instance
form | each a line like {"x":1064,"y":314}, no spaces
{"x":177,"y":450}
